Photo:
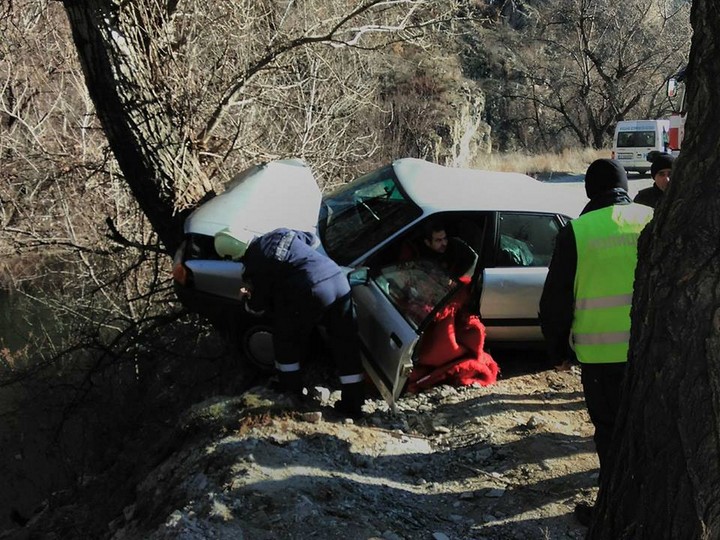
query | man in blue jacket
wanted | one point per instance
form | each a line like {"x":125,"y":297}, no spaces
{"x":301,"y":288}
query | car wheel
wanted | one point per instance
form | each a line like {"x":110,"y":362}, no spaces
{"x":257,"y":346}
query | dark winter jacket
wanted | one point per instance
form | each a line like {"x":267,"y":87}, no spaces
{"x":649,"y":196}
{"x":557,"y":303}
{"x":283,"y":265}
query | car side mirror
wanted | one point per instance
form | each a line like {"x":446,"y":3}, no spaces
{"x":359,"y":277}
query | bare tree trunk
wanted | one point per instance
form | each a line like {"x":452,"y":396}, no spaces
{"x":666,"y":478}
{"x":155,"y":157}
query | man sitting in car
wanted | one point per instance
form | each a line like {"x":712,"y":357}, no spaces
{"x":450,"y":254}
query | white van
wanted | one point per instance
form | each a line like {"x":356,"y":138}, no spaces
{"x":634,"y":139}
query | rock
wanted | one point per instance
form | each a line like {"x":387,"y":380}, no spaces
{"x":495,"y":493}
{"x":219,"y":511}
{"x":312,"y":416}
{"x":320,"y":393}
{"x":440,"y":536}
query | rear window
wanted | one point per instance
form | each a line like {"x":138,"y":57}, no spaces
{"x":634,"y":139}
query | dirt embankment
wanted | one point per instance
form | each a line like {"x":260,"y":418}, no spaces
{"x":507,"y":461}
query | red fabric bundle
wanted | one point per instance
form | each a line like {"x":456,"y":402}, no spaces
{"x":451,"y":351}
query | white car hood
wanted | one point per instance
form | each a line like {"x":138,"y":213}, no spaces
{"x":262,"y":198}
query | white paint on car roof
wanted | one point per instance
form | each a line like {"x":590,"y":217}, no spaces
{"x":437,"y":188}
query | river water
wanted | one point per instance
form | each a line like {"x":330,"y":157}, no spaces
{"x":28,"y":472}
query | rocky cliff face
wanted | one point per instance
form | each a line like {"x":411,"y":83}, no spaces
{"x":468,"y":132}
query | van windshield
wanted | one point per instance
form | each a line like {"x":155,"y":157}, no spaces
{"x":635,"y":139}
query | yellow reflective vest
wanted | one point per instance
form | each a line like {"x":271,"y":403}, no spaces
{"x":606,"y":241}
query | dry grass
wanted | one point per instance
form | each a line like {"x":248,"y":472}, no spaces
{"x":569,"y":161}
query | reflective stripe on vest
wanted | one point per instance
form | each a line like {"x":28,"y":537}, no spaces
{"x":606,"y":241}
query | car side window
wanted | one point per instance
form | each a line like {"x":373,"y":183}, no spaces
{"x":525,"y":239}
{"x":415,"y":288}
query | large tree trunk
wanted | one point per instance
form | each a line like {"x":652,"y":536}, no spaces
{"x":666,"y":479}
{"x":116,"y":52}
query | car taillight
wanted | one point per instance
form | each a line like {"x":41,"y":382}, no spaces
{"x":181,"y":273}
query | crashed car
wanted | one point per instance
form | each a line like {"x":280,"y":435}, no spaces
{"x":505,"y":222}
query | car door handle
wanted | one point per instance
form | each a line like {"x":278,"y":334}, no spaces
{"x":395,"y":339}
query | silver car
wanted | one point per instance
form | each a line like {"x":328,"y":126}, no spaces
{"x":504,"y":223}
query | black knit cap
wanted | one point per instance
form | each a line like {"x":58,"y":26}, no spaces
{"x":603,"y":175}
{"x":662,"y":161}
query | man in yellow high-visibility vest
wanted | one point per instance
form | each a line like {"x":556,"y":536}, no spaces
{"x":585,"y":304}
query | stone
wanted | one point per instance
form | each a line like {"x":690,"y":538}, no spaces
{"x":312,"y":417}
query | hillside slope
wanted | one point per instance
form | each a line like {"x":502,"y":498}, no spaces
{"x":502,"y":462}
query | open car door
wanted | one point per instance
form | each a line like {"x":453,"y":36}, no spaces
{"x":394,"y":305}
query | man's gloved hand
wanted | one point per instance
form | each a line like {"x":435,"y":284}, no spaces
{"x":245,"y":295}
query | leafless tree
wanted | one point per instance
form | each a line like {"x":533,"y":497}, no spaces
{"x":580,"y":66}
{"x":130,"y":52}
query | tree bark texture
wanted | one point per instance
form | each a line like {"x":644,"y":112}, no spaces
{"x":115,"y":46}
{"x":665,"y":482}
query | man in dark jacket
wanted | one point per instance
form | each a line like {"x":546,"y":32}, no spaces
{"x":585,"y":304}
{"x":301,"y":288}
{"x":660,"y":172}
{"x":449,"y":254}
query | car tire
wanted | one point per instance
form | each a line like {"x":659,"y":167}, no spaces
{"x":257,"y":346}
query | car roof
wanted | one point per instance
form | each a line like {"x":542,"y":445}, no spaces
{"x":437,"y":188}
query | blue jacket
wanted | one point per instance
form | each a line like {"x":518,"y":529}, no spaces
{"x":283,"y":265}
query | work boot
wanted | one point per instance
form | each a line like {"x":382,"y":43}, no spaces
{"x":351,"y":400}
{"x":584,"y":513}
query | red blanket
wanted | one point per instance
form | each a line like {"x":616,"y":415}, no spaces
{"x":451,"y":350}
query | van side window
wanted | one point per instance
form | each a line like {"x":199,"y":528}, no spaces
{"x":525,"y":239}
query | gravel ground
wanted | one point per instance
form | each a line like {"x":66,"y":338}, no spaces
{"x":508,"y":461}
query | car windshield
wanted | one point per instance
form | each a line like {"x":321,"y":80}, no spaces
{"x":362,"y":214}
